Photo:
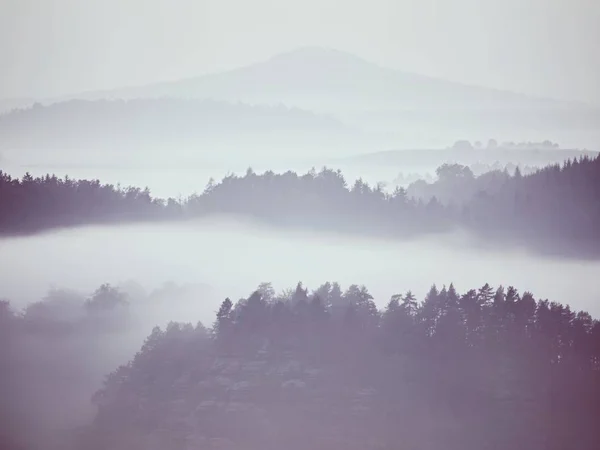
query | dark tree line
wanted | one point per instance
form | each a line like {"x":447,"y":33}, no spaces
{"x":553,"y":209}
{"x":488,"y":368}
{"x":321,"y":200}
{"x":556,"y":208}
{"x":33,"y":204}
{"x":558,"y":205}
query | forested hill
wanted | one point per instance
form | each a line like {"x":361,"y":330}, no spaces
{"x":488,"y":368}
{"x":560,"y":203}
{"x":555,"y":209}
{"x":149,"y":123}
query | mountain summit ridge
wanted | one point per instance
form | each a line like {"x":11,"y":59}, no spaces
{"x":329,"y":80}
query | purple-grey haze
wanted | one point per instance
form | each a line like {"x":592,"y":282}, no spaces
{"x":305,"y":225}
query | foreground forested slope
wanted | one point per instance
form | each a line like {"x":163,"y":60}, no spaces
{"x":488,"y":368}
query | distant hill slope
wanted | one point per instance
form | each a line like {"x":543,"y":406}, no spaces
{"x":127,"y":126}
{"x":8,"y":104}
{"x":413,"y":108}
{"x":324,"y":79}
{"x":396,"y":108}
{"x":435,"y":157}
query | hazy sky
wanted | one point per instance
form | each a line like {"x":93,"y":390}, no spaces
{"x":50,"y":47}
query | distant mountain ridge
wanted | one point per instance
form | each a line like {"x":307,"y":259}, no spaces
{"x":9,"y":104}
{"x":331,"y":80}
{"x":389,"y":107}
{"x":176,"y":127}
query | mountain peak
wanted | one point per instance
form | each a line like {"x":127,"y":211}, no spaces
{"x":316,"y":52}
{"x":318,"y":56}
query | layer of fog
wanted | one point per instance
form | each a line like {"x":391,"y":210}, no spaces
{"x":234,"y":257}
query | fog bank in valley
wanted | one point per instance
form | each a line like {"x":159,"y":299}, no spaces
{"x":183,"y":271}
{"x":233,"y":257}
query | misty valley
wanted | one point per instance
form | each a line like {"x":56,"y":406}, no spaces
{"x":92,"y":269}
{"x":311,"y":252}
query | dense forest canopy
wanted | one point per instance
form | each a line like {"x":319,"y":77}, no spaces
{"x":487,"y":368}
{"x":553,"y":209}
